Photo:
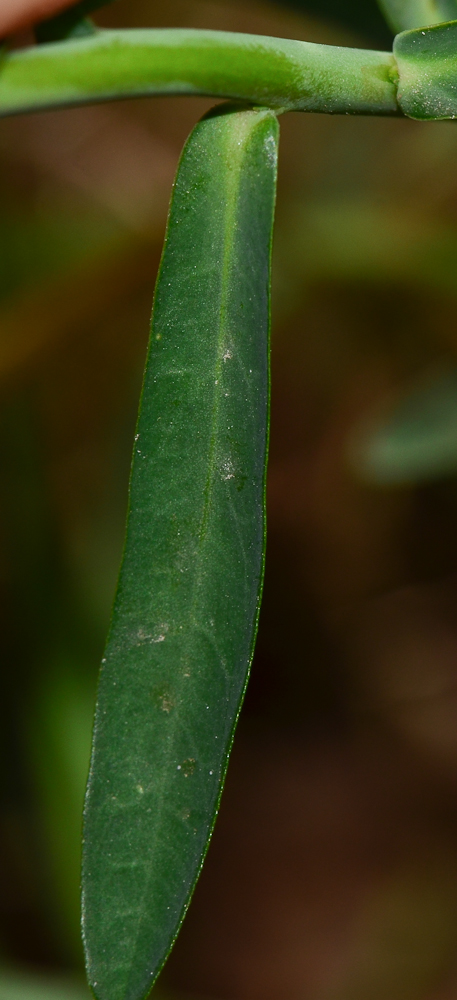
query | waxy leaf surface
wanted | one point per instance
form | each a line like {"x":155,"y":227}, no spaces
{"x":427,"y":65}
{"x":185,"y":616}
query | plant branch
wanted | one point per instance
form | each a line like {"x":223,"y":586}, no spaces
{"x":274,"y":72}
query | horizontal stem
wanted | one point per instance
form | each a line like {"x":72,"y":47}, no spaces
{"x":273,"y":72}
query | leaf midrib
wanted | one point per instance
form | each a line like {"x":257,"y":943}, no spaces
{"x":228,"y":251}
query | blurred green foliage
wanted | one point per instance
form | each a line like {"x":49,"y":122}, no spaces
{"x":23,"y":987}
{"x":416,"y":441}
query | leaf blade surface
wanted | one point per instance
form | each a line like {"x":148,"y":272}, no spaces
{"x":185,"y":616}
{"x":427,"y":65}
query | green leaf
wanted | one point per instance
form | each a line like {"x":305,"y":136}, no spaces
{"x":185,"y":616}
{"x":427,"y":66}
{"x":70,"y":23}
{"x":405,"y":14}
{"x":416,"y":442}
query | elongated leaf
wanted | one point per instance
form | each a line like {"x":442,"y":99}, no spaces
{"x":185,"y":616}
{"x":405,"y":14}
{"x":427,"y":64}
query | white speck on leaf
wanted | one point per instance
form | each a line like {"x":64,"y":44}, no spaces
{"x":227,"y":470}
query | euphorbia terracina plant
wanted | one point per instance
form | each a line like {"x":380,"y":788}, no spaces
{"x":185,"y":615}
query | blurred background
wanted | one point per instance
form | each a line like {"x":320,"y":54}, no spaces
{"x":332,"y":874}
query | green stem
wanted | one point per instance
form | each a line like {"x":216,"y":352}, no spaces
{"x":274,"y":72}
